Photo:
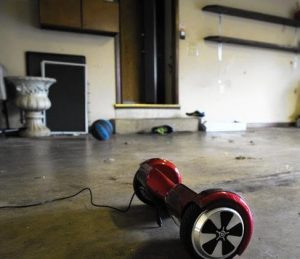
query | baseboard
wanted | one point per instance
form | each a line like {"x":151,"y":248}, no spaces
{"x":271,"y":125}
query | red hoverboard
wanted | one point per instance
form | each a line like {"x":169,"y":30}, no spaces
{"x":213,"y":224}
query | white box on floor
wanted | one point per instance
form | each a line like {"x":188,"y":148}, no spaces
{"x":213,"y":126}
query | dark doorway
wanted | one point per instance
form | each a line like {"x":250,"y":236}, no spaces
{"x":148,"y":46}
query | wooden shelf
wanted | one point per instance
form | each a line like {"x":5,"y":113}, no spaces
{"x":251,"y":43}
{"x":220,"y":9}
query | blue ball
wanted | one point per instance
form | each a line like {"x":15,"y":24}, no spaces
{"x":101,"y":129}
{"x":107,"y":124}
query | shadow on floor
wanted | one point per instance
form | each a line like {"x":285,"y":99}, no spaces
{"x":138,"y":217}
{"x":87,"y":233}
{"x":161,"y":249}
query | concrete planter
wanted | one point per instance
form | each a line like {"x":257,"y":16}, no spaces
{"x":32,"y":97}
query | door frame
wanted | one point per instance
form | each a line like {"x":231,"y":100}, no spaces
{"x":175,"y":51}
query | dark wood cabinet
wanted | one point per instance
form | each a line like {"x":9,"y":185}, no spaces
{"x":96,"y":16}
{"x":58,"y":13}
{"x":99,"y":15}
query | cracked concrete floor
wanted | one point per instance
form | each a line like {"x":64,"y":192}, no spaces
{"x":263,"y":165}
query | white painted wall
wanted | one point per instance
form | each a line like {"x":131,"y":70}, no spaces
{"x":257,"y":85}
{"x":20,"y":32}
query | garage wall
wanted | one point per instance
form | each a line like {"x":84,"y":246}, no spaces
{"x":20,"y":32}
{"x":249,"y":84}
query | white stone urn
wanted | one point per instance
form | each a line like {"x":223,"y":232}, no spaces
{"x":32,"y":97}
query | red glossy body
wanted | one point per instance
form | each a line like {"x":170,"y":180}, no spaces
{"x":159,"y":176}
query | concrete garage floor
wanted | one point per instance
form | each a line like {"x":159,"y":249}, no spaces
{"x":264,"y":165}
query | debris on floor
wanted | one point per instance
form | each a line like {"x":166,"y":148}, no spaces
{"x":252,"y":142}
{"x":40,"y":177}
{"x":244,"y":157}
{"x":109,"y":160}
{"x":288,"y":167}
{"x":162,"y":130}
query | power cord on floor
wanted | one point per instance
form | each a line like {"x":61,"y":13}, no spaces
{"x":158,"y":219}
{"x":68,"y":197}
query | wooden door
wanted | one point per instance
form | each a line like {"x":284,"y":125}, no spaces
{"x":149,"y":51}
{"x":149,"y":86}
{"x":131,"y":50}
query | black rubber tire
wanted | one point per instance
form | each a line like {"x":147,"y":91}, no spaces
{"x":189,"y":217}
{"x":186,"y":226}
{"x":138,"y":191}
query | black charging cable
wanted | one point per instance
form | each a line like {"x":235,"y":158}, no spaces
{"x":69,"y":197}
{"x":159,"y":220}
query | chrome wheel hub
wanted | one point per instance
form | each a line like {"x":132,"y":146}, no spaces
{"x":221,"y":234}
{"x":217,"y":233}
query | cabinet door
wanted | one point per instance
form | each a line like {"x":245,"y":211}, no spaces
{"x":100,"y":15}
{"x":60,"y":13}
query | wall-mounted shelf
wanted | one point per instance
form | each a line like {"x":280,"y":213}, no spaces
{"x":251,"y":43}
{"x":220,"y":9}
